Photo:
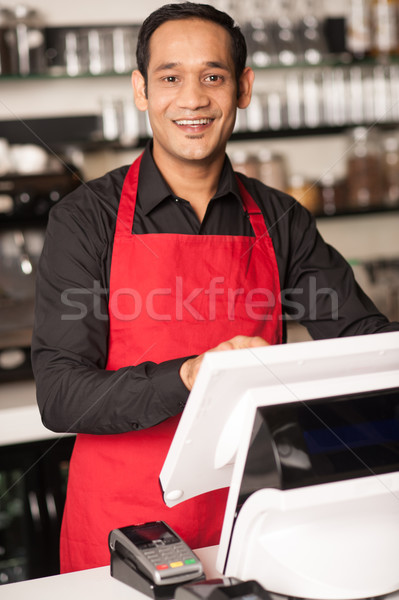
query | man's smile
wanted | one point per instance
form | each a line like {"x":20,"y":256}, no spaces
{"x":198,"y":125}
{"x":193,"y":122}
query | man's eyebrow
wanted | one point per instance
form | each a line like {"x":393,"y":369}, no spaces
{"x":167,"y":66}
{"x":172,"y":65}
{"x":217,"y":65}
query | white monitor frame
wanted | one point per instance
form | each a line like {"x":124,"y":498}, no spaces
{"x":202,"y":454}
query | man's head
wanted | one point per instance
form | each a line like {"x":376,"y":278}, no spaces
{"x":190,"y":10}
{"x":191,"y":80}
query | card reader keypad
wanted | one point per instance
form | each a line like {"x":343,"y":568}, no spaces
{"x":168,"y":554}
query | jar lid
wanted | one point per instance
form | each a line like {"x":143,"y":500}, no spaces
{"x":391,"y":144}
{"x":359,"y":134}
{"x":328,"y":179}
{"x":265,"y":155}
{"x":26,"y":14}
{"x":297,"y":181}
{"x":239,"y":156}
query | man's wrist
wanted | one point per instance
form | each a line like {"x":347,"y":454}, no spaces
{"x":184,"y":373}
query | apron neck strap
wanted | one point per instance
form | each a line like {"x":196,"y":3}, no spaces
{"x":253,"y":211}
{"x":127,"y":203}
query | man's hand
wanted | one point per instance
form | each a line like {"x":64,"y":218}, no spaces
{"x":189,"y":369}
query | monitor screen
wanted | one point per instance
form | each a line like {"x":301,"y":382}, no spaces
{"x":328,"y":439}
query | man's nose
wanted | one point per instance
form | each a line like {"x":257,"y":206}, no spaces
{"x":192,"y":95}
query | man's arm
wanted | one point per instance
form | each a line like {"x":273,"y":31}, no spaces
{"x":320,"y":288}
{"x":70,"y":341}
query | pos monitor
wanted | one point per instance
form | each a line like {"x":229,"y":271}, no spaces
{"x":307,"y":438}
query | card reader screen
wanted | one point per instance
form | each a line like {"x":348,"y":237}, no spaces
{"x":141,"y":536}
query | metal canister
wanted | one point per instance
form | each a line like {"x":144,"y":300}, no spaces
{"x":24,"y":41}
{"x":6,"y":18}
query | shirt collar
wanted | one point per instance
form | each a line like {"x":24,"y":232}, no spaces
{"x":153,"y":189}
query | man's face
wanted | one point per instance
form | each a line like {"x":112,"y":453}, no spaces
{"x":191,"y":92}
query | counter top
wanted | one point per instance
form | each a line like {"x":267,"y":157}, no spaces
{"x":20,"y":419}
{"x":99,"y":585}
{"x":93,"y":583}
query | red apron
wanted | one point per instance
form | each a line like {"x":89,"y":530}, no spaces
{"x":171,"y":295}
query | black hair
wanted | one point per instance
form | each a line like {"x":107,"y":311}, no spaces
{"x":190,"y":10}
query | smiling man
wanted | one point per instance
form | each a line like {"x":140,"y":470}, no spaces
{"x":148,"y":267}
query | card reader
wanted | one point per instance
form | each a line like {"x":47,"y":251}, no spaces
{"x":152,"y":558}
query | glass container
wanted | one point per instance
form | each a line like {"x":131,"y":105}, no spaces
{"x":332,"y":194}
{"x":384,"y":19}
{"x":390,"y":165}
{"x":364,"y":171}
{"x":305,"y":192}
{"x":244,"y":162}
{"x":272,"y":169}
{"x":358,"y":30}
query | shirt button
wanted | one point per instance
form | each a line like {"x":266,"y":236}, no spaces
{"x":177,"y":199}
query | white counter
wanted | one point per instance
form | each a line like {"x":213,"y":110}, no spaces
{"x":93,"y":583}
{"x":97,"y":584}
{"x":19,"y":415}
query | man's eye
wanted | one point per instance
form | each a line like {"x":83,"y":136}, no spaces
{"x":170,"y":79}
{"x":214,"y":78}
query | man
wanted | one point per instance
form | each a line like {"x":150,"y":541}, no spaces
{"x":148,"y":267}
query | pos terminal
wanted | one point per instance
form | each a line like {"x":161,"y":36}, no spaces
{"x":307,"y":437}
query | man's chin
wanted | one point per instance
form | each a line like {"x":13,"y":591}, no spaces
{"x":193,"y":149}
{"x":196,"y":151}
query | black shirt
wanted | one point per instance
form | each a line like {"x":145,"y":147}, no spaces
{"x":70,"y":341}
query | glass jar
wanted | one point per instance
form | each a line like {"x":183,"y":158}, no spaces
{"x":332,"y":194}
{"x":358,"y":31}
{"x":272,"y":169}
{"x":390,"y":165}
{"x":384,"y":19}
{"x":244,"y":162}
{"x":305,"y":192}
{"x":364,"y":171}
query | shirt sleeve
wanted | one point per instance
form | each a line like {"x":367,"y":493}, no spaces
{"x":320,"y":290}
{"x":70,"y":340}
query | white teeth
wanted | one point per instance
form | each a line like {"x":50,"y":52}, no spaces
{"x":194,"y":121}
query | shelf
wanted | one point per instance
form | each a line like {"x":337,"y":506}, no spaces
{"x":52,"y":132}
{"x":343,"y":60}
{"x":372,"y":210}
{"x":58,"y":76}
{"x":269,"y":134}
{"x":332,"y":61}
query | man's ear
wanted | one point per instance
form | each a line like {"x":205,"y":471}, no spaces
{"x":139,"y":90}
{"x":245,"y":87}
